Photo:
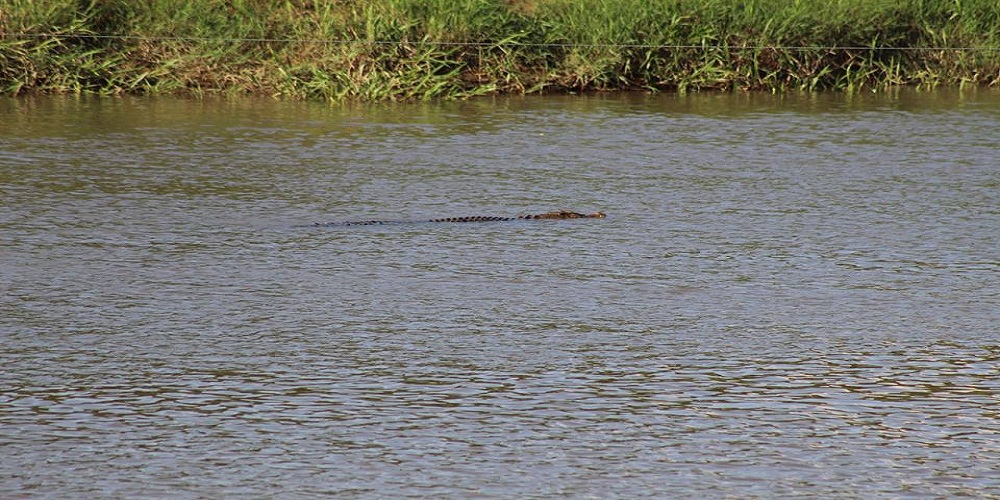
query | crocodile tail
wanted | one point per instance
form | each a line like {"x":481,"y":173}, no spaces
{"x":352,"y":223}
{"x":367,"y":222}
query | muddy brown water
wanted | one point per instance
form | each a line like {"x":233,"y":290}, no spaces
{"x":791,"y":296}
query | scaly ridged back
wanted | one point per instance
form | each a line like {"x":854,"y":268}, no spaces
{"x":561,"y":214}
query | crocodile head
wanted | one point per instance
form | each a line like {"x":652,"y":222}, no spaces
{"x":565,"y":214}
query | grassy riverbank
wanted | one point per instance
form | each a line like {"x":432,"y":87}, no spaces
{"x":416,"y":49}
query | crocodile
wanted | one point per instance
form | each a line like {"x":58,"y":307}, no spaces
{"x":559,"y":214}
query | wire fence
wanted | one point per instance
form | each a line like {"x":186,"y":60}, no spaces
{"x":506,"y":43}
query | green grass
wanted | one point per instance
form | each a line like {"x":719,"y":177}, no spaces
{"x":426,"y":49}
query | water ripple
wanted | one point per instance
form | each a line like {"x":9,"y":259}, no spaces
{"x":789,"y":299}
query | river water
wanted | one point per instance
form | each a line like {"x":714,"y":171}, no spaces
{"x":791,"y":296}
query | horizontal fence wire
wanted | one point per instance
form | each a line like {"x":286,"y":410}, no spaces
{"x":506,"y":43}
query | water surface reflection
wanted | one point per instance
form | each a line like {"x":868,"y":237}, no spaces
{"x":792,"y":296}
